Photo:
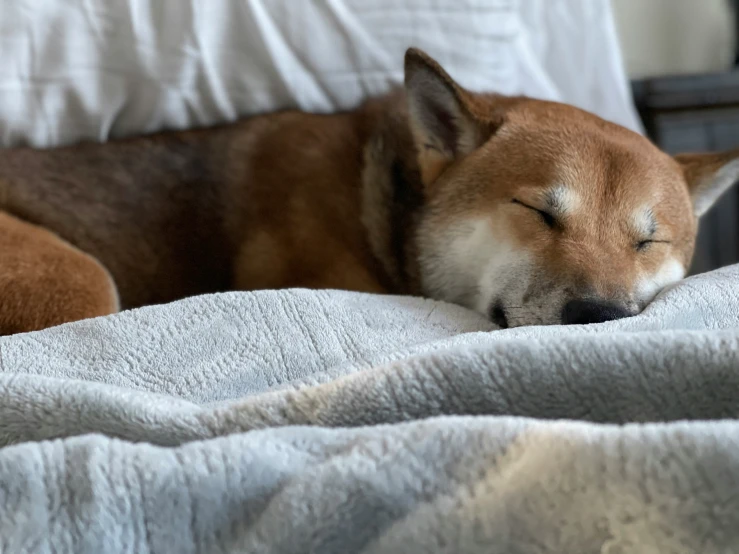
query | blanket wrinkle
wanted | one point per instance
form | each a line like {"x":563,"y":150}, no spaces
{"x":293,"y":421}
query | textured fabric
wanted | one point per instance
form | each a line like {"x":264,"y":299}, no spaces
{"x":301,"y":421}
{"x":96,"y":69}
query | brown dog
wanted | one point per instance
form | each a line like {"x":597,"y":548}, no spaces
{"x":529,"y":211}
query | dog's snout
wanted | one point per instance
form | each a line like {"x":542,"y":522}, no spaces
{"x":582,"y":312}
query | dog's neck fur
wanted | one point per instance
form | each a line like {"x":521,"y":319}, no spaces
{"x":392,"y":191}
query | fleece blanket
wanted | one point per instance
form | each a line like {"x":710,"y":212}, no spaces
{"x":301,"y":421}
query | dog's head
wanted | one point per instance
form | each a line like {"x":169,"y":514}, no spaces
{"x":540,"y":213}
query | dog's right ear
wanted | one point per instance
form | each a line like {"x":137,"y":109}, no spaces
{"x":443,"y":125}
{"x":709,"y":176}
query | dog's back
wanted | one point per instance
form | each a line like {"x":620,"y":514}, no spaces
{"x":151,"y":209}
{"x":268,"y":202}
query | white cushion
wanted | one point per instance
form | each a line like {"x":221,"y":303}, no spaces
{"x":94,"y":69}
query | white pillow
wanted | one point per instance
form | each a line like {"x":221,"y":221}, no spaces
{"x":94,"y":69}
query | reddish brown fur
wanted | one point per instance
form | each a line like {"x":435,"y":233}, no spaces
{"x":45,"y":281}
{"x":613,"y":170}
{"x":323,"y":201}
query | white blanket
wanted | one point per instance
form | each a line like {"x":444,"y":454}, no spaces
{"x":302,"y":421}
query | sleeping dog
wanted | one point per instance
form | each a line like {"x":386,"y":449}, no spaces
{"x":530,"y":212}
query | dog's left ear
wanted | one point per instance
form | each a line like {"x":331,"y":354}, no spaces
{"x":709,"y":176}
{"x":443,"y":124}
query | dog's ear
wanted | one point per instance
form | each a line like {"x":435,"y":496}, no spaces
{"x":443,"y":125}
{"x":709,"y":176}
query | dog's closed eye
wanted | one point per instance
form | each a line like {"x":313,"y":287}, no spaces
{"x":643,"y":245}
{"x":548,"y":219}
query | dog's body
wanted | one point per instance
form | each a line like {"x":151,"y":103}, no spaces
{"x":270,"y":202}
{"x":266,"y":203}
{"x":530,"y":211}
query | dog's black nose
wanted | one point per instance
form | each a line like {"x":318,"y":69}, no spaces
{"x":582,"y":312}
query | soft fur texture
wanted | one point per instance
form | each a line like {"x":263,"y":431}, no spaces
{"x":222,"y":382}
{"x":46,"y":282}
{"x":527,"y":211}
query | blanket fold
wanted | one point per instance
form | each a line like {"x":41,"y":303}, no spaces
{"x":303,"y":421}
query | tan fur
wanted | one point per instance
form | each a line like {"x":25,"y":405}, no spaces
{"x":373,"y":200}
{"x":45,"y":281}
{"x":615,"y":172}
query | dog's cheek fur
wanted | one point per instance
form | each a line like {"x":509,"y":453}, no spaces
{"x":473,"y":263}
{"x":455,"y":257}
{"x":648,"y":286}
